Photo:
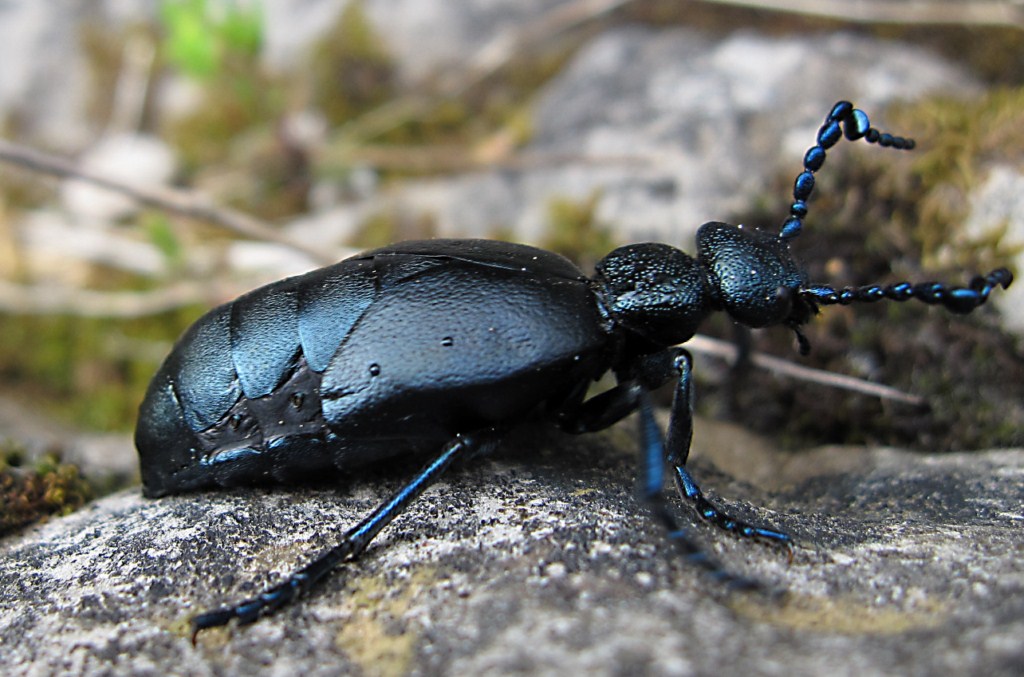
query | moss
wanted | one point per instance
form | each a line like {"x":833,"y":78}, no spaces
{"x":28,"y":495}
{"x":575,"y":232}
{"x":434,"y":131}
{"x":220,"y":54}
{"x":89,"y":372}
{"x":243,"y":98}
{"x":352,"y":70}
{"x":958,"y":140}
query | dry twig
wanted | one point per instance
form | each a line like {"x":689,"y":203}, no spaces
{"x":18,"y":299}
{"x":933,"y":12}
{"x":706,"y":345}
{"x":185,"y":203}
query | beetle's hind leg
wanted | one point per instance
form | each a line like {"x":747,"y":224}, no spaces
{"x":351,"y":545}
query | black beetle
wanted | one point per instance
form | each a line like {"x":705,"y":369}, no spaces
{"x":447,"y":344}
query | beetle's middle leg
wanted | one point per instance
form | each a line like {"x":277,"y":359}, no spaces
{"x":352,"y":544}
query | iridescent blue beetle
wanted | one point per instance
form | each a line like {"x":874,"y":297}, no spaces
{"x":440,"y":347}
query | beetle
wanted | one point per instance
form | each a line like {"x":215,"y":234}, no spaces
{"x":442,"y":346}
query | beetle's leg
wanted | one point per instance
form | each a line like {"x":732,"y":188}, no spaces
{"x":351,"y":545}
{"x":652,"y":481}
{"x":602,"y":410}
{"x":608,"y":408}
{"x":680,"y":434}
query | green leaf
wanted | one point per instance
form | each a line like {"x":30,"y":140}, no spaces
{"x":190,"y":43}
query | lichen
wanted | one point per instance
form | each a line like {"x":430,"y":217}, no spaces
{"x":840,"y":615}
{"x":378,"y":636}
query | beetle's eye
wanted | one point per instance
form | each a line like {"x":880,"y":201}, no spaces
{"x":235,"y":421}
{"x":297,"y":400}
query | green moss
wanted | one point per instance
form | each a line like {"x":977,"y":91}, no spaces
{"x":434,"y":131}
{"x":958,"y":139}
{"x":575,"y":232}
{"x":89,"y":372}
{"x":220,"y":51}
{"x":387,"y":227}
{"x":243,"y":98}
{"x":28,"y":495}
{"x":198,"y":40}
{"x":352,"y":70}
{"x":879,"y":216}
{"x":231,"y":144}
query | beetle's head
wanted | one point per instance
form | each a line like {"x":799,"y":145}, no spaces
{"x":753,"y":277}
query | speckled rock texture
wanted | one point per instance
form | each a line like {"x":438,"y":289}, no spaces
{"x":539,"y":560}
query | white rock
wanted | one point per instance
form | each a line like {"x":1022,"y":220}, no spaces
{"x":996,"y":205}
{"x":136,"y":160}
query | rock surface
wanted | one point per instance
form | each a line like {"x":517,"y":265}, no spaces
{"x":541,"y":562}
{"x":673,"y":128}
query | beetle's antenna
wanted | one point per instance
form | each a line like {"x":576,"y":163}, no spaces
{"x":960,"y":300}
{"x":842,"y":120}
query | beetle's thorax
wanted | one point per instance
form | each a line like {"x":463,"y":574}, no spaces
{"x":655,"y":291}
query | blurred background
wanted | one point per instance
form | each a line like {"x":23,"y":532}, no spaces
{"x":159,"y":157}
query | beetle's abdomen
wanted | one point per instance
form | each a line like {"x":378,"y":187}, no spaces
{"x":227,"y":393}
{"x":394,"y":349}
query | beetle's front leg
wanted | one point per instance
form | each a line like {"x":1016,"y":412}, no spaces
{"x":680,"y":434}
{"x":652,"y":482}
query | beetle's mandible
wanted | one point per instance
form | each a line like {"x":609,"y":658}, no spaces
{"x":441,"y":346}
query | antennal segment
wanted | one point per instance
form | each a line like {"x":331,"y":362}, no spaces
{"x":961,"y":300}
{"x":843,"y":120}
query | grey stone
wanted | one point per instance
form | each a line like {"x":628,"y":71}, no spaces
{"x":673,"y":128}
{"x":539,"y":560}
{"x":997,"y":210}
{"x":137,"y":160}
